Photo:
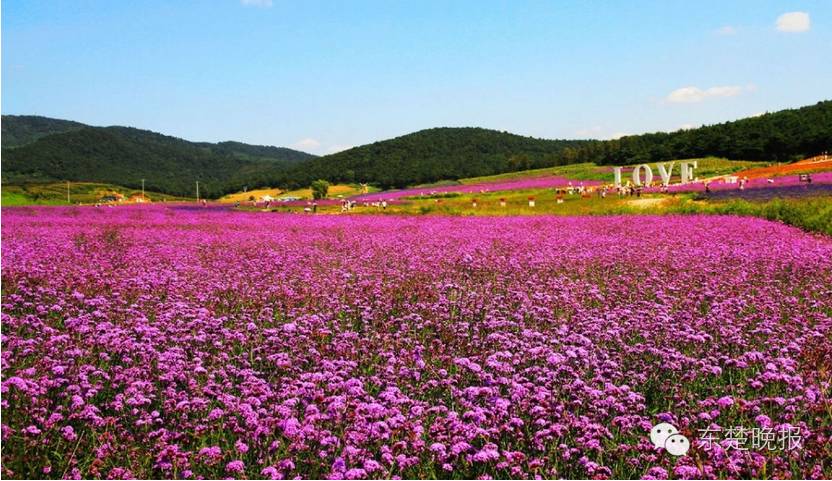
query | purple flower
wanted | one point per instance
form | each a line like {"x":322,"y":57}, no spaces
{"x":355,"y":473}
{"x":241,"y":447}
{"x":32,"y":430}
{"x":763,"y":421}
{"x":235,"y":466}
{"x":656,"y":472}
{"x":487,"y":453}
{"x":68,"y":433}
{"x":270,"y":472}
{"x":215,"y":414}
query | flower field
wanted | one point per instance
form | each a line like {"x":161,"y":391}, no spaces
{"x":824,"y":178}
{"x":159,"y":342}
{"x":542,"y":182}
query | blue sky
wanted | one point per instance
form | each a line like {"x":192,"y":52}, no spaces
{"x":323,"y":76}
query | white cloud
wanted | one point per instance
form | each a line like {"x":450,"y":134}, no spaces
{"x":598,"y":132}
{"x":256,"y":3}
{"x":306,"y":144}
{"x":726,"y":30}
{"x":724,"y":91}
{"x":689,"y":95}
{"x":794,"y":22}
{"x":338,"y":148}
{"x":590,"y":132}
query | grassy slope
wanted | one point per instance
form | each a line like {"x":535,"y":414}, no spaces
{"x":246,"y":196}
{"x":343,"y":190}
{"x":54,"y":193}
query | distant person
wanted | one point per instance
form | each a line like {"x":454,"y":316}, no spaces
{"x":314,"y":207}
{"x":384,"y":205}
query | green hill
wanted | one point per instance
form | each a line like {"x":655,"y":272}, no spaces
{"x":257,"y":152}
{"x":434,"y":154}
{"x":782,"y":136}
{"x":125,"y":156}
{"x":452,"y":153}
{"x":24,"y":129}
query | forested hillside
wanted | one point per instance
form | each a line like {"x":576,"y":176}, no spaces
{"x":782,"y":136}
{"x":124,"y":156}
{"x":434,"y":154}
{"x":24,"y":129}
{"x":452,"y":153}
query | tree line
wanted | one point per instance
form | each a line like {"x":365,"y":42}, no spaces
{"x":453,"y":153}
{"x":170,"y":165}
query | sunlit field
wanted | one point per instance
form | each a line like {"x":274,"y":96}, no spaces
{"x":707,"y":167}
{"x":55,"y":193}
{"x":249,"y":195}
{"x":180,"y":341}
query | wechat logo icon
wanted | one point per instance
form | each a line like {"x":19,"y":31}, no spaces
{"x":666,"y":436}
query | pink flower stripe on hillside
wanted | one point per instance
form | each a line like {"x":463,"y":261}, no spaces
{"x":544,"y":182}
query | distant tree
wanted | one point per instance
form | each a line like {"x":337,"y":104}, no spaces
{"x":320,"y":188}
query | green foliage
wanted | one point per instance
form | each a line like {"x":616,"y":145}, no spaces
{"x":11,"y":199}
{"x":319,"y":189}
{"x":256,"y":152}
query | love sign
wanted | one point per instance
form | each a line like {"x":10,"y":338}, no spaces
{"x":665,"y":171}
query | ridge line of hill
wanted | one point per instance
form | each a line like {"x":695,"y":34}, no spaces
{"x":124,"y":155}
